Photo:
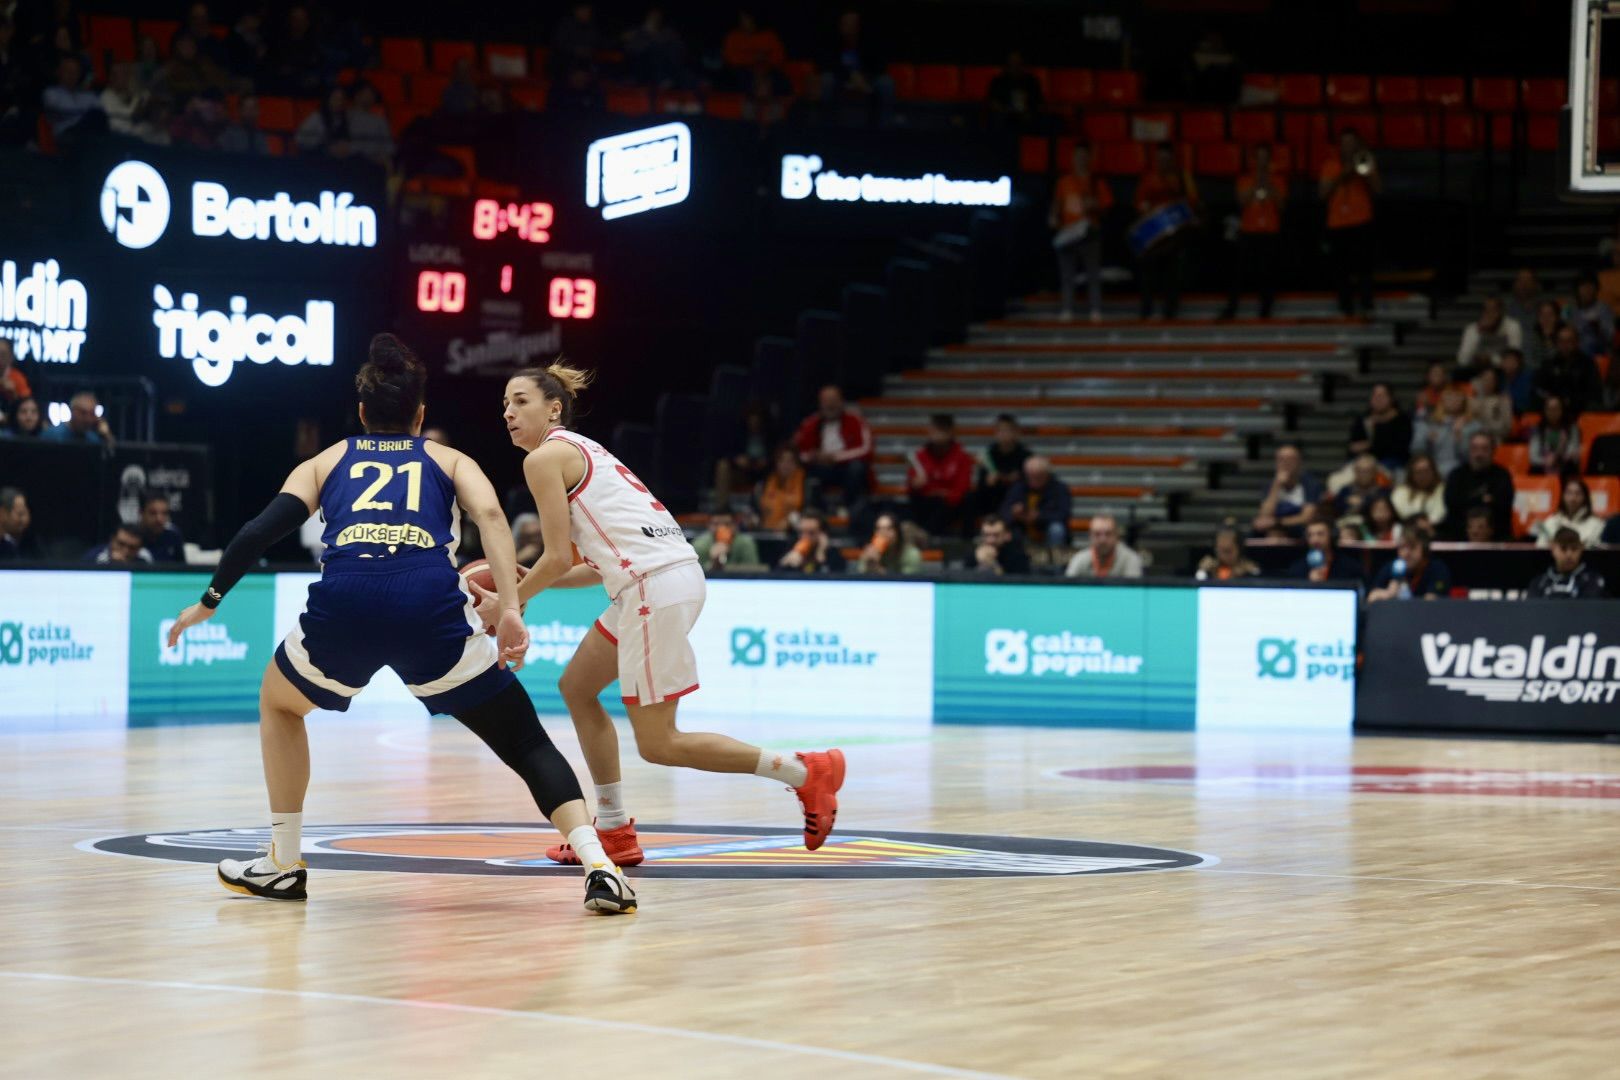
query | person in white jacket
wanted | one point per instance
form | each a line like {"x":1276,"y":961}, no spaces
{"x":1484,"y":339}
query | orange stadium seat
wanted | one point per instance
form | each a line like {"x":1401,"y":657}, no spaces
{"x":1364,"y":124}
{"x":1153,"y":127}
{"x":1034,"y":154}
{"x":1405,"y":130}
{"x":1218,"y":159}
{"x":112,"y":36}
{"x":275,"y":113}
{"x":1119,"y":87}
{"x":1461,"y":131}
{"x":1495,"y":95}
{"x":1541,"y":132}
{"x":1605,"y":494}
{"x":1305,"y":133}
{"x":1594,"y":424}
{"x":1254,"y":126}
{"x":976,"y":81}
{"x":1281,"y":158}
{"x":1545,"y":95}
{"x":404,"y":55}
{"x":531,"y":98}
{"x":1122,"y":159}
{"x":800,"y":74}
{"x":1064,"y":151}
{"x":1400,"y":91}
{"x":1349,"y":91}
{"x":401,"y":117}
{"x":390,"y":85}
{"x":427,"y":89}
{"x":1300,"y":91}
{"x":904,"y":76}
{"x":1534,"y":498}
{"x":1501,"y":131}
{"x":302,"y":108}
{"x":1105,"y":126}
{"x":939,"y":82}
{"x":161,"y":31}
{"x":1444,"y":91}
{"x":446,"y":53}
{"x":506,"y":61}
{"x":1515,"y":458}
{"x":1259,"y":89}
{"x":629,"y":101}
{"x":1071,"y":86}
{"x":676,"y":101}
{"x":723,"y":104}
{"x":1203,"y":125}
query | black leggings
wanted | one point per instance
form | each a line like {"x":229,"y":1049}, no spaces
{"x":509,"y":726}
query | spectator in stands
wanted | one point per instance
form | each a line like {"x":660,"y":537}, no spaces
{"x":835,"y":446}
{"x":1479,"y":529}
{"x":1517,"y":382}
{"x":189,"y":73}
{"x":747,"y":457}
{"x":1484,"y":339}
{"x":888,"y":552}
{"x":1592,"y":319}
{"x":579,"y":92}
{"x":1555,"y":442}
{"x":1421,"y":493}
{"x":246,"y":49}
{"x":201,"y":122}
{"x":123,"y":548}
{"x":939,"y":476}
{"x":1039,"y":505}
{"x":16,"y":542}
{"x":655,"y":54}
{"x":814,"y":552}
{"x":1014,"y":96}
{"x":122,"y":100}
{"x":1524,"y":299}
{"x":1379,"y":522}
{"x":1290,"y":502}
{"x":1261,"y":195}
{"x":1443,"y":434}
{"x":13,"y":383}
{"x":1493,"y":408}
{"x":1541,"y":338}
{"x":1163,"y":265}
{"x":154,"y":122}
{"x":575,"y":41}
{"x":1568,"y":578}
{"x":460,"y":96}
{"x":1435,"y":383}
{"x":1480,"y":481}
{"x":148,"y":61}
{"x":297,"y":64}
{"x":158,"y":535}
{"x":1570,"y":374}
{"x":998,"y":549}
{"x":1574,"y":512}
{"x":1413,"y":573}
{"x":527,"y":537}
{"x":781,"y":494}
{"x":1367,"y":482}
{"x":1227,"y":560}
{"x":1383,"y":431}
{"x":1104,"y":556}
{"x":69,"y":108}
{"x":723,"y":545}
{"x":200,"y":28}
{"x":766,"y":95}
{"x":1079,"y":200}
{"x":369,"y":134}
{"x":1348,"y":183}
{"x":1323,"y":561}
{"x":747,"y":45}
{"x":242,"y":135}
{"x":855,"y":66}
{"x":327,"y":128}
{"x":1001,"y":463}
{"x":25,"y":421}
{"x":85,"y":423}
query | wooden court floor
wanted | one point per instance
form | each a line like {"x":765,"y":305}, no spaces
{"x":1380,"y":907}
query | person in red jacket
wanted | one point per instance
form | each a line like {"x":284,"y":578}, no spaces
{"x":836,"y":447}
{"x":939,"y":479}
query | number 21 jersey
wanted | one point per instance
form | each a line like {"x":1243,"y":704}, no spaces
{"x":621,"y":529}
{"x":387,"y":497}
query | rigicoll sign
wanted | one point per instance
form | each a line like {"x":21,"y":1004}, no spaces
{"x":136,"y":210}
{"x":44,"y":314}
{"x":215,"y":341}
{"x":804,"y":175}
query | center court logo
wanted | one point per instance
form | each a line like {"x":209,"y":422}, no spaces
{"x":639,"y":170}
{"x":1278,"y":658}
{"x":757,"y":646}
{"x":24,"y":645}
{"x":203,"y":644}
{"x":135,"y":204}
{"x":1070,"y":655}
{"x":673,"y":851}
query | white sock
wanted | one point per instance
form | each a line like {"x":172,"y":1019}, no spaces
{"x":784,"y":767}
{"x":610,"y":806}
{"x":286,"y":837}
{"x":588,"y":846}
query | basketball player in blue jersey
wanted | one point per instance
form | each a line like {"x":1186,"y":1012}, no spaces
{"x":389,"y":595}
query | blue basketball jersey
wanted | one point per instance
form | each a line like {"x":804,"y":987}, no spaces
{"x":386,"y":497}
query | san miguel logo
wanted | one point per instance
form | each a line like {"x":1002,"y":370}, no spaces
{"x":673,"y":851}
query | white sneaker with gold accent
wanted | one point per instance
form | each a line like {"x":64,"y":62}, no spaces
{"x":265,"y":877}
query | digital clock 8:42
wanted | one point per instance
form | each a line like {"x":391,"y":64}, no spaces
{"x":530,"y":221}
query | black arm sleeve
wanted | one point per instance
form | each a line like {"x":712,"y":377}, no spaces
{"x":284,"y":514}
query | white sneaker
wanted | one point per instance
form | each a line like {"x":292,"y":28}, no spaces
{"x":608,"y":892}
{"x":265,"y":877}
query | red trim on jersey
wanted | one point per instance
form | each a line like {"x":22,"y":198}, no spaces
{"x":666,"y":697}
{"x":605,"y":633}
{"x":611,"y":545}
{"x":590,"y":467}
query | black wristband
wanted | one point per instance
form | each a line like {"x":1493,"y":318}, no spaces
{"x":211,"y":598}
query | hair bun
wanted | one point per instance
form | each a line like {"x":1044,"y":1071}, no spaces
{"x":390,"y":355}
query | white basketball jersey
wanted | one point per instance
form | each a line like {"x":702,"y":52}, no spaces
{"x":621,"y":529}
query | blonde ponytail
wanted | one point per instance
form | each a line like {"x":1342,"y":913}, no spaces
{"x":560,"y":382}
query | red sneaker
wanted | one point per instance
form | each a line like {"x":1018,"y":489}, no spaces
{"x":620,"y":844}
{"x":819,"y":795}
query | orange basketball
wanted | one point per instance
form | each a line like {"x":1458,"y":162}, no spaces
{"x":479,"y":573}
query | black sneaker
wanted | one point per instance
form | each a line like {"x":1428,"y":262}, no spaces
{"x":607,"y":892}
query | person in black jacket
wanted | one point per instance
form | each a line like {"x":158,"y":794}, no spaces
{"x":1479,"y":481}
{"x":1322,"y":560}
{"x":1568,"y":578}
{"x":1039,"y":505}
{"x":1384,"y":432}
{"x":998,"y":550}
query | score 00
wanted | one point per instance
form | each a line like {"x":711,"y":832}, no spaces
{"x":441,"y":290}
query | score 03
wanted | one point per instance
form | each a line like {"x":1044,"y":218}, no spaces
{"x":572,"y":298}
{"x":531,"y":221}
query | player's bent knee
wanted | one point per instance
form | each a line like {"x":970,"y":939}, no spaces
{"x":509,"y":726}
{"x":658,"y":751}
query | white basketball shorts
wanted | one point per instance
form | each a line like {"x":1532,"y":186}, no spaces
{"x":649,"y":623}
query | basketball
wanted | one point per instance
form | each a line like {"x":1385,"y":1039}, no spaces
{"x":478,"y":573}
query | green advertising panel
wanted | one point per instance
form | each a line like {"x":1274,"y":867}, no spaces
{"x":1042,"y":654}
{"x":217,"y":665}
{"x":558,"y":621}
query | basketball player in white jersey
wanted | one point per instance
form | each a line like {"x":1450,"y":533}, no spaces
{"x":633,"y":546}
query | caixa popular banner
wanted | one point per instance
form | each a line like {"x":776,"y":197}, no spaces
{"x":1525,"y":666}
